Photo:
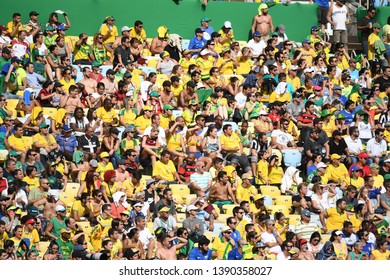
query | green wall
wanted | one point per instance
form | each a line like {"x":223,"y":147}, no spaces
{"x":87,"y":15}
{"x":382,"y":13}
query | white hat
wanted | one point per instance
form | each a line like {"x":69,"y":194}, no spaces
{"x":293,"y":67}
{"x":263,"y":113}
{"x":191,"y":207}
{"x":204,"y":52}
{"x":312,"y":96}
{"x":387,"y":160}
{"x":308,"y":70}
{"x":138,"y":204}
{"x":225,"y":229}
{"x":60,"y":208}
{"x":200,"y":85}
{"x":227,"y":24}
{"x":125,"y":28}
{"x":321,"y":165}
{"x":54,"y":193}
{"x":339,"y":232}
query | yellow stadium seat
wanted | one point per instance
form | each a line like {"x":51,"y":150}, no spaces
{"x":283,"y":200}
{"x":50,"y":112}
{"x":178,"y":198}
{"x":325,"y":237}
{"x":211,"y":235}
{"x":85,"y":227}
{"x":228,"y":209}
{"x":179,"y":189}
{"x":66,"y":198}
{"x":271,"y":191}
{"x":294,"y":219}
{"x":223,"y":217}
{"x":242,"y":44}
{"x":146,"y":52}
{"x":43,"y":246}
{"x":72,"y":188}
{"x":90,"y":40}
{"x":279,"y":154}
{"x":161,"y":78}
{"x":152,"y":62}
{"x":20,"y":93}
{"x":278,"y":208}
{"x":188,"y":198}
{"x":180,"y":217}
{"x":146,"y":177}
{"x":11,"y":105}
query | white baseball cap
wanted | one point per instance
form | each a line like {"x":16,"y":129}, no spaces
{"x":204,"y":52}
{"x":321,"y":165}
{"x":125,"y":28}
{"x":191,"y":207}
{"x":227,"y":24}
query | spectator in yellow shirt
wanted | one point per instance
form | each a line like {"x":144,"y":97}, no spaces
{"x":337,"y":171}
{"x":109,"y":32}
{"x":138,"y":32}
{"x":15,"y":25}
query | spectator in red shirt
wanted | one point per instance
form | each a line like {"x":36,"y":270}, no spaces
{"x":275,"y":113}
{"x":306,"y":119}
{"x":361,"y":164}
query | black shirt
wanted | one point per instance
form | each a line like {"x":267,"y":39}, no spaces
{"x":315,"y":147}
{"x":86,"y":144}
{"x":123,"y":52}
{"x":382,"y":82}
{"x":338,"y":148}
{"x":367,"y":31}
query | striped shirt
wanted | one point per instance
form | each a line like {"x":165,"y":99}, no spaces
{"x":306,"y":230}
{"x":202,"y":181}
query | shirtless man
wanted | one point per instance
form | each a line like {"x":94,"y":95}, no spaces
{"x":160,"y":42}
{"x":89,"y":83}
{"x":121,"y":173}
{"x":166,"y":95}
{"x":167,"y":251}
{"x":222,"y":191}
{"x":263,"y":22}
{"x":188,"y":94}
{"x":109,"y":82}
{"x":71,"y":101}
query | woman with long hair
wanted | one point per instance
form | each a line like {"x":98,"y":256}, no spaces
{"x":32,"y":123}
{"x":211,"y":146}
{"x":175,"y":143}
{"x":109,"y":186}
{"x":314,"y":246}
{"x":304,"y":253}
{"x":363,"y":125}
{"x":58,"y":121}
{"x":95,"y":122}
{"x":340,"y":248}
{"x":79,"y":122}
{"x":132,"y":242}
{"x":53,"y":252}
{"x":63,"y":49}
{"x":111,"y":145}
{"x":57,"y":180}
{"x":99,"y":50}
{"x":54,"y":23}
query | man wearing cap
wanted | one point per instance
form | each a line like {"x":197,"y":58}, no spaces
{"x":82,"y":51}
{"x":165,"y":220}
{"x":125,"y":31}
{"x":262,"y":22}
{"x":373,"y":49}
{"x":34,"y":20}
{"x":245,"y":191}
{"x":160,"y":41}
{"x":256,"y":45}
{"x":377,"y":147}
{"x":361,"y":165}
{"x":65,"y":243}
{"x":44,"y":141}
{"x":110,"y":83}
{"x":293,"y":78}
{"x":337,"y":171}
{"x":305,"y":227}
{"x":197,"y":42}
{"x":67,"y":142}
{"x":308,"y":52}
{"x":193,"y":224}
{"x":107,"y":114}
{"x":223,"y":245}
{"x":314,"y":37}
{"x":9,"y":71}
{"x":56,"y":223}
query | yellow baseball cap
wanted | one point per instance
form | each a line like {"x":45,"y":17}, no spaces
{"x":335,"y":156}
{"x":104,"y":154}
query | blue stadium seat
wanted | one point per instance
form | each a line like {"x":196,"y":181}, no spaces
{"x":185,"y":43}
{"x":147,"y":69}
{"x":292,"y":158}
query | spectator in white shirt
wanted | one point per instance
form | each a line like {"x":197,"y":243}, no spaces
{"x":256,"y":45}
{"x":377,"y":148}
{"x":354,"y":143}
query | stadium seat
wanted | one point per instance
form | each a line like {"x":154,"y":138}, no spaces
{"x":316,"y":219}
{"x":277,"y":208}
{"x":72,"y":188}
{"x":43,"y":246}
{"x":223,"y":217}
{"x":292,"y":158}
{"x":294,"y":219}
{"x":325,"y":237}
{"x":178,"y":198}
{"x":66,"y":198}
{"x":161,"y":78}
{"x":211,"y":235}
{"x":180,"y":217}
{"x":49,"y":112}
{"x":85,"y":227}
{"x":152,"y":62}
{"x":271,"y":191}
{"x":268,"y":200}
{"x":11,"y":105}
{"x":228,"y":209}
{"x":185,"y":43}
{"x":188,"y":198}
{"x":147,"y":69}
{"x":283,"y":200}
{"x":242,"y":44}
{"x":179,"y":189}
{"x":150,"y":226}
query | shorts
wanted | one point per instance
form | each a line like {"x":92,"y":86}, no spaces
{"x":197,"y":154}
{"x":322,"y":12}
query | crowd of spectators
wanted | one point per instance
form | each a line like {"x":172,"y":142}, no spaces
{"x":116,"y":145}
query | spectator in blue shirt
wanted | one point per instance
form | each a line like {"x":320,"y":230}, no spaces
{"x":207,"y":29}
{"x":197,"y":43}
{"x":237,"y":254}
{"x":202,"y":252}
{"x":67,"y":142}
{"x":232,"y":223}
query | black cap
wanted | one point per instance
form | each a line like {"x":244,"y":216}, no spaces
{"x":15,"y":59}
{"x":198,"y":30}
{"x":4,"y":198}
{"x":114,"y":131}
{"x":215,"y":34}
{"x":127,"y":62}
{"x":296,"y":95}
{"x":110,"y":72}
{"x":191,"y":84}
{"x":58,"y":84}
{"x":34,"y":13}
{"x":6,"y":51}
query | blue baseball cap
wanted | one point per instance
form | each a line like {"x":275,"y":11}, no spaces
{"x":307,"y":41}
{"x":256,"y":33}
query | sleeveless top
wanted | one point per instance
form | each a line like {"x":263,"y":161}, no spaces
{"x":212,"y":147}
{"x":339,"y":16}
